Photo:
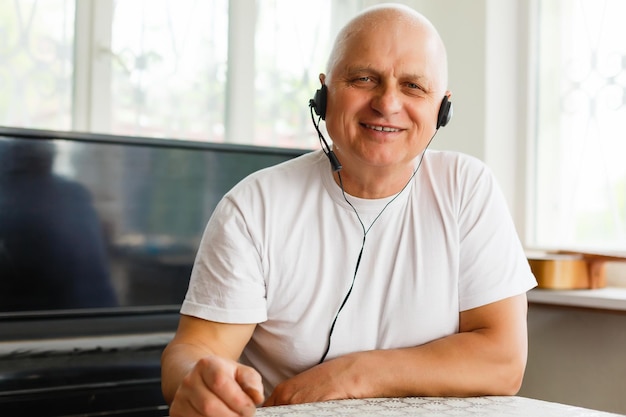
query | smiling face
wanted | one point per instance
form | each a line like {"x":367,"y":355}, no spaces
{"x":385,"y":85}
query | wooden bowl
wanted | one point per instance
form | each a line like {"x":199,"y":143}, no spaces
{"x":567,"y":271}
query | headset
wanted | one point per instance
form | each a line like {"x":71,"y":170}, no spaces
{"x":318,"y":105}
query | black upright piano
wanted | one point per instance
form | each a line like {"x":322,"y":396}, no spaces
{"x":98,"y":234}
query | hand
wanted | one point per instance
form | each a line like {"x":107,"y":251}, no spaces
{"x":218,"y":387}
{"x":324,"y":382}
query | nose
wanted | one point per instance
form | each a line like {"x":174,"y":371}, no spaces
{"x":386,"y":100}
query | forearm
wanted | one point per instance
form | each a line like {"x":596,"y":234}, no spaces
{"x":176,"y":362}
{"x":463,"y":364}
{"x":486,"y":357}
{"x":209,"y":349}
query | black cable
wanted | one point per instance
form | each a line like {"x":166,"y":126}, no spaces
{"x":334,"y":162}
{"x":365,"y":232}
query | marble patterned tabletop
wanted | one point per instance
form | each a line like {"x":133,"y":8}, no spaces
{"x":433,"y":407}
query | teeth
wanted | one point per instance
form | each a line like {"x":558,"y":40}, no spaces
{"x":382,"y":128}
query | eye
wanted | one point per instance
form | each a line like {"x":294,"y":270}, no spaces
{"x":414,"y":88}
{"x":364,"y":79}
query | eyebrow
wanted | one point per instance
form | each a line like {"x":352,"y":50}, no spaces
{"x":414,"y":77}
{"x":367,"y":69}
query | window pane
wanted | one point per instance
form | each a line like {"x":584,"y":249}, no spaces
{"x":36,"y":51}
{"x":292,"y":43}
{"x":159,"y":67}
{"x":581,"y":138}
{"x":168,"y":68}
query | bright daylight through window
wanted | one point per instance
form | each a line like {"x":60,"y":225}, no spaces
{"x":160,"y":68}
{"x":581,"y":126}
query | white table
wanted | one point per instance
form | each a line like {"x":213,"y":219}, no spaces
{"x":432,"y":407}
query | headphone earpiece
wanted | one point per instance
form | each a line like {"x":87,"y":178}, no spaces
{"x":445,"y":112}
{"x":318,"y":102}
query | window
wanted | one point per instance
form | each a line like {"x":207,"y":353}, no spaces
{"x":580,"y":179}
{"x":214,"y":70}
{"x":36,"y":44}
{"x":168,"y":67}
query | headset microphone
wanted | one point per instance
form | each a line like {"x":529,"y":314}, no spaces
{"x":318,"y":104}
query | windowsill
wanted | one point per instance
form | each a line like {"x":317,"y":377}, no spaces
{"x":608,"y":298}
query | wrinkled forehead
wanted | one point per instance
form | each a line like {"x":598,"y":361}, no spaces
{"x":389,"y":29}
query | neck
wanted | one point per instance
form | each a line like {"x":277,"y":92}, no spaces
{"x":374,"y":183}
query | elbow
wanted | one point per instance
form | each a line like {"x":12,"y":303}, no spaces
{"x":509,"y":367}
{"x":501,"y":375}
{"x":166,"y":389}
{"x":168,"y":386}
{"x":516,"y":378}
{"x":505,"y":383}
{"x":509,"y":378}
{"x":512,"y":384}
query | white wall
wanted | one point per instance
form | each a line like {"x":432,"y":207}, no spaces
{"x":488,"y":63}
{"x":576,"y":356}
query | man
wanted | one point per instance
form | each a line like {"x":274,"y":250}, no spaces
{"x":399,"y":274}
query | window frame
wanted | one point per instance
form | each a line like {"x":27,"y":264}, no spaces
{"x":91,"y":110}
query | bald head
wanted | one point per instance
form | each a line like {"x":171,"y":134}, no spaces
{"x":387,"y":18}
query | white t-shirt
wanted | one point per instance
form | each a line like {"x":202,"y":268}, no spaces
{"x":281,"y":249}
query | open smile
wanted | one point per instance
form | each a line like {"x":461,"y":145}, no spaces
{"x":381,"y":128}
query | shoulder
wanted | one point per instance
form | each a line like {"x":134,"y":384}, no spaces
{"x":456,"y":169}
{"x":272,"y":187}
{"x":455,"y":161}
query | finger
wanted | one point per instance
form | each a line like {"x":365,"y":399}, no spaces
{"x":212,"y":406}
{"x":195,"y":399}
{"x":270,"y":401}
{"x":277,"y":397}
{"x":204,"y":407}
{"x":251,"y":383}
{"x":223,"y":385}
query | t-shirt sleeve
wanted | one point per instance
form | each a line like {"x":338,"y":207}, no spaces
{"x":227,"y":283}
{"x":493,"y":265}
